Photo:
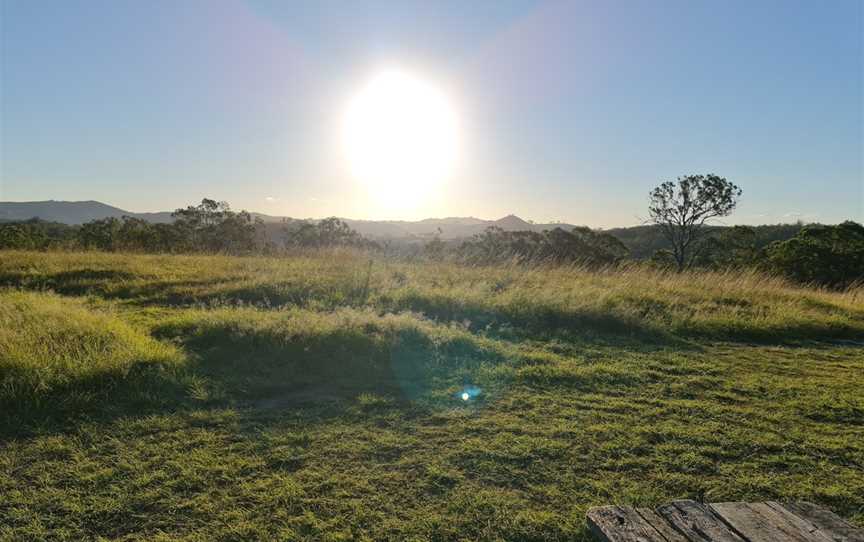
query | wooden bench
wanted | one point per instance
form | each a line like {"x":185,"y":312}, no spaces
{"x":690,"y":521}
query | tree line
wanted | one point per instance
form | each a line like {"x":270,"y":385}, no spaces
{"x":209,"y":227}
{"x":828,"y":255}
{"x":580,"y":245}
{"x":679,"y":238}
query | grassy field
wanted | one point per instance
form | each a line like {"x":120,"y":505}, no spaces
{"x":321,"y":397}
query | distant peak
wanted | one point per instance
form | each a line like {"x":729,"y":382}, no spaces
{"x":512,"y":221}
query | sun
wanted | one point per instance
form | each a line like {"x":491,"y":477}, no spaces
{"x":400,"y":137}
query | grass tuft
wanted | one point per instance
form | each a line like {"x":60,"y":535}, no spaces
{"x":58,"y":356}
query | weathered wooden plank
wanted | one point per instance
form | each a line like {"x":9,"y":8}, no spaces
{"x":803,"y":525}
{"x":791,"y":525}
{"x":832,"y":525}
{"x":759,"y":522}
{"x":662,"y":526}
{"x":696,"y":522}
{"x":689,"y":521}
{"x":621,"y":524}
{"x":745,"y":521}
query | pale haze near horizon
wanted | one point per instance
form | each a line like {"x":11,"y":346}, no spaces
{"x":568,"y":111}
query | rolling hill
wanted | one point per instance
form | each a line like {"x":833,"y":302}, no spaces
{"x":79,"y":212}
{"x":642,"y":241}
{"x":70,"y":212}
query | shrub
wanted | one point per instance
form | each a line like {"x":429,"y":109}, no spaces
{"x":828,"y":255}
{"x":579,"y":245}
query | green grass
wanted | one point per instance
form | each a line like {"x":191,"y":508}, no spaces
{"x":318,"y":397}
{"x":57,"y":356}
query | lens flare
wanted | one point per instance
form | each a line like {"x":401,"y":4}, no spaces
{"x":468,"y":393}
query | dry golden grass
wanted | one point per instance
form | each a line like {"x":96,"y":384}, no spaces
{"x":632,"y":300}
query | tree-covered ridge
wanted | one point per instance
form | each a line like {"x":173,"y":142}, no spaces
{"x":579,"y":245}
{"x":644,"y":241}
{"x":827,"y":255}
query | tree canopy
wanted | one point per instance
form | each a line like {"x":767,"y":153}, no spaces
{"x":330,"y":232}
{"x":579,"y":245}
{"x":682,"y":208}
{"x":828,"y":255}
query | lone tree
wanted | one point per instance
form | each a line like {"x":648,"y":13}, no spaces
{"x":681,"y":210}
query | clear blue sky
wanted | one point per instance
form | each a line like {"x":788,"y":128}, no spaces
{"x":569,"y":110}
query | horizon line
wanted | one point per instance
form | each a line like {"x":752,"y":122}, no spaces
{"x":386,"y":220}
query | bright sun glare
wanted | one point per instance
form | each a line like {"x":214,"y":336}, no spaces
{"x":400,"y":138}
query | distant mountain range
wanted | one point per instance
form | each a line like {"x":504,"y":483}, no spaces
{"x":642,"y":241}
{"x":79,"y":212}
{"x":70,"y":212}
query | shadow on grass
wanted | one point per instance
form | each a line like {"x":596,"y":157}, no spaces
{"x":148,"y":291}
{"x":646,"y":324}
{"x":532,"y":319}
{"x":263,"y":365}
{"x":257,"y":370}
{"x":112,"y":284}
{"x":76,"y":282}
{"x":143,"y":388}
{"x":524,"y":320}
{"x":260,"y":362}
